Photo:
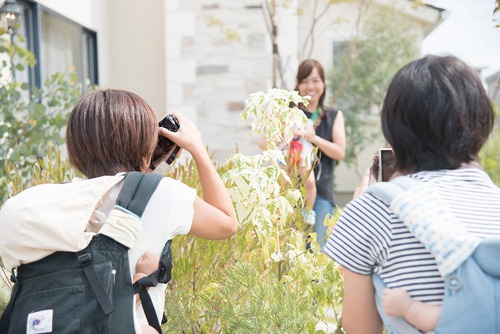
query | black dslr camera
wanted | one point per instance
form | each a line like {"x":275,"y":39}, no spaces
{"x":164,"y":145}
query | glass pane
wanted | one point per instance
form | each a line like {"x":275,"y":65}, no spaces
{"x":60,"y":46}
{"x":22,"y":76}
{"x":85,"y":57}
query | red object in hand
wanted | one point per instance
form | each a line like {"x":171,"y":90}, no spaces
{"x":294,"y":152}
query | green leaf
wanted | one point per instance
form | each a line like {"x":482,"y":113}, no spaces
{"x":39,"y":108}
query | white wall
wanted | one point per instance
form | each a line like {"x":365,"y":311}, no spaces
{"x":131,"y":43}
{"x":288,"y":42}
{"x":80,"y":11}
{"x":137,"y":49}
{"x":209,"y":77}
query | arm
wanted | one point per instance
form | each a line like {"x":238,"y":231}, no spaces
{"x":311,"y":191}
{"x":398,"y":303}
{"x":214,"y":216}
{"x":359,"y":313}
{"x":334,"y":149}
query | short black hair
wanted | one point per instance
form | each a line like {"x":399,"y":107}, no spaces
{"x":436,"y":114}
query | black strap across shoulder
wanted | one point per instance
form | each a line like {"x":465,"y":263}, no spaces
{"x":137,"y":191}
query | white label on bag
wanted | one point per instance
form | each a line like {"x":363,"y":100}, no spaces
{"x":39,"y":322}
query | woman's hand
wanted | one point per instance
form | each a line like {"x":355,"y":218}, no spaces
{"x":365,"y":182}
{"x":308,"y":133}
{"x":154,"y":164}
{"x":187,"y":137}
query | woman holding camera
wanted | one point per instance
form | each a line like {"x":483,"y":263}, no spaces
{"x":109,"y":133}
{"x":436,"y":116}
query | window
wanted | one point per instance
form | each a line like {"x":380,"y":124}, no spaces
{"x":58,"y":45}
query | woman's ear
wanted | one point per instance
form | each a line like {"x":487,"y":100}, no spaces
{"x":146,"y":163}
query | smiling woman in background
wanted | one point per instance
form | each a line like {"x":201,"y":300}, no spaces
{"x":327,"y":133}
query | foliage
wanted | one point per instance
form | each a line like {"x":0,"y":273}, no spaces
{"x":263,"y":279}
{"x":52,"y":168}
{"x":30,"y":117}
{"x":490,"y":153}
{"x":230,"y":34}
{"x":257,"y":298}
{"x":363,"y":76}
{"x":273,"y":118}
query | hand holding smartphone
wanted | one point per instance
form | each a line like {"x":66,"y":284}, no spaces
{"x":387,"y":164}
{"x":384,"y":165}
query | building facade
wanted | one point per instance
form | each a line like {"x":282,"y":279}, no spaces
{"x":201,"y":57}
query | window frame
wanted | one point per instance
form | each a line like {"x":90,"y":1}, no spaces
{"x":32,"y":12}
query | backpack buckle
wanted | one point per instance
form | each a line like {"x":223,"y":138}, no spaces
{"x":13,"y":276}
{"x":85,"y":259}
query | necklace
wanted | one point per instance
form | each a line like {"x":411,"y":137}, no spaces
{"x":315,"y":115}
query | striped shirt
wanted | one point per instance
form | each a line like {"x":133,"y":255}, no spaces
{"x":369,"y":238}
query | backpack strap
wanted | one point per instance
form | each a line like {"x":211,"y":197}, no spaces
{"x":388,"y":191}
{"x":137,"y":191}
{"x":85,"y":260}
{"x":134,"y":196}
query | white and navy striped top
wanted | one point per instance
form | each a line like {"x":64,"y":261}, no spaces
{"x":369,"y":238}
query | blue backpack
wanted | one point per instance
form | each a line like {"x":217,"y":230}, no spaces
{"x":89,"y":291}
{"x":470,"y":266}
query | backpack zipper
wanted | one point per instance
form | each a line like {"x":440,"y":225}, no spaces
{"x":111,"y":282}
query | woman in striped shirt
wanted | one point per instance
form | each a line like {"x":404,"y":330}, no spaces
{"x":436,"y":116}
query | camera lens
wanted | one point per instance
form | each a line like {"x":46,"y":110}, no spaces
{"x":170,"y":123}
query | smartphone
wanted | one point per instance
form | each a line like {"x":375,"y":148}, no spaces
{"x":387,"y":163}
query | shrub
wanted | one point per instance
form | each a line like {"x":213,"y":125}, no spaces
{"x":30,"y":118}
{"x":490,"y":153}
